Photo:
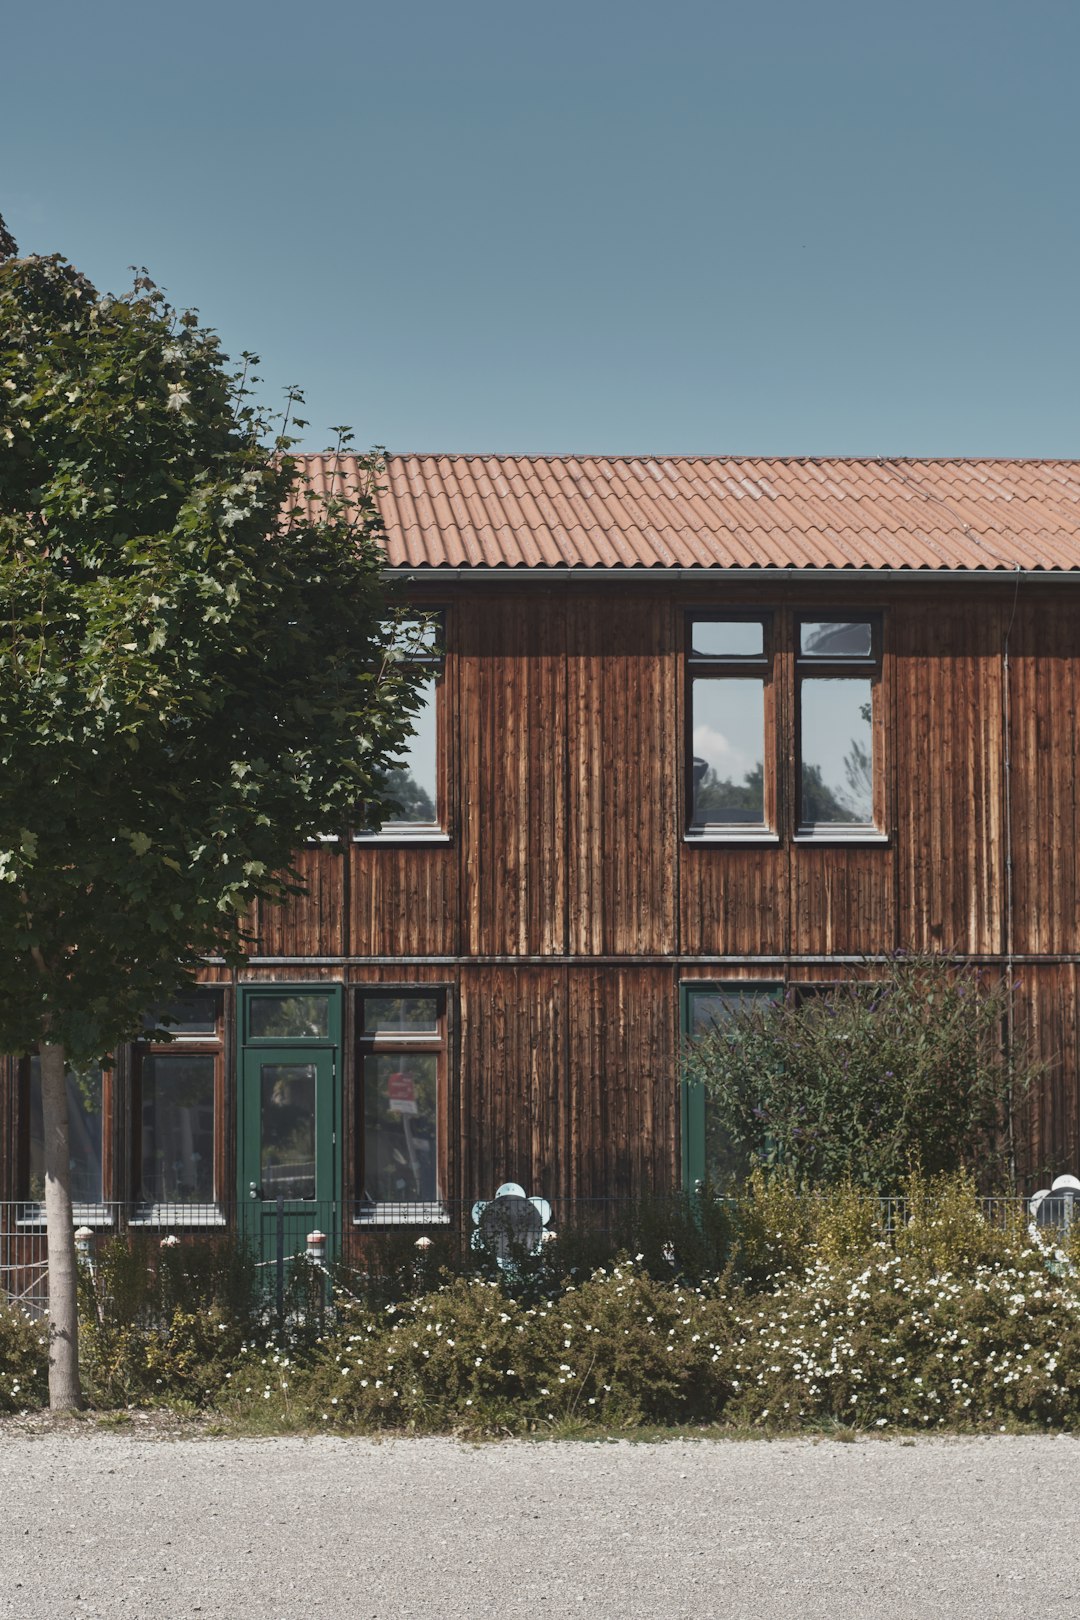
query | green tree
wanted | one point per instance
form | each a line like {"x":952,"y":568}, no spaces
{"x":867,"y":1081}
{"x":196,"y":675}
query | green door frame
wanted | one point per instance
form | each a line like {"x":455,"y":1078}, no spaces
{"x":323,"y":1050}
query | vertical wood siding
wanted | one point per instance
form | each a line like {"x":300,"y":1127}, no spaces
{"x":1045,"y":695}
{"x":623,"y":758}
{"x":512,"y":730}
{"x":947,"y":735}
{"x":563,"y":729}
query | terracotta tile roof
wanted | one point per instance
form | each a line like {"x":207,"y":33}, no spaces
{"x":643,"y":512}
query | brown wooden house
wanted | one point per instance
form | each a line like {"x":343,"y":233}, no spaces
{"x":695,"y":728}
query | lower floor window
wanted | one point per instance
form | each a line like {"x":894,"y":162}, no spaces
{"x":86,"y":1135}
{"x":706,"y":1152}
{"x":403,"y":1047}
{"x":177,"y":1094}
{"x":176,"y":1142}
{"x":145,"y":1131}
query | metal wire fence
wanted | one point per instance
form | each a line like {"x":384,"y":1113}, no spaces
{"x":364,"y":1241}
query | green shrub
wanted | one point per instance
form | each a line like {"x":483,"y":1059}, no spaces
{"x":822,"y":1318}
{"x":163,"y":1322}
{"x":620,"y":1350}
{"x":24,"y":1359}
{"x":882,"y":1343}
{"x":902,"y":1069}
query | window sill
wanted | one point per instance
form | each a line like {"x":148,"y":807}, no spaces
{"x":403,"y":835}
{"x":33,"y":1215}
{"x":201,"y":1215}
{"x":389,"y":1214}
{"x":841,"y":835}
{"x":732,"y":835}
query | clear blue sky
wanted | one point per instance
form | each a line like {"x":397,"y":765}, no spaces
{"x":773,"y":227}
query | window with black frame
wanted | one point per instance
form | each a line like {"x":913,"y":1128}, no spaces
{"x":731,"y":781}
{"x":838,"y":670}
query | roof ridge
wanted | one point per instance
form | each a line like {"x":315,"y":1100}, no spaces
{"x":698,"y":455}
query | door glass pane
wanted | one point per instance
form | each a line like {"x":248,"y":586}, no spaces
{"x":837,"y":766}
{"x":728,"y":638}
{"x":84,"y":1094}
{"x":177,"y":1157}
{"x":389,"y":1015}
{"x":400,"y":1163}
{"x":852,"y":639}
{"x":289,"y":1018}
{"x":287,"y":1159}
{"x":412,"y":784}
{"x":728,"y":738}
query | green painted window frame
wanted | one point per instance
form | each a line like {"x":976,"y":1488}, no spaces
{"x":250,"y":993}
{"x":692,"y":1095}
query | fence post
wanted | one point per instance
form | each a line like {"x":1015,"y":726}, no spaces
{"x":280,"y":1233}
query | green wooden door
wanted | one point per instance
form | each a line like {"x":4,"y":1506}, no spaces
{"x":289,"y":1110}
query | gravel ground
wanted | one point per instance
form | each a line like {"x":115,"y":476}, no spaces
{"x":103,"y":1526}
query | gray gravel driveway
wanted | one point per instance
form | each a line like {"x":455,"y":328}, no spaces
{"x":105,"y":1527}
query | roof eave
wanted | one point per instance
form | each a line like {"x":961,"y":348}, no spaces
{"x":508,"y":574}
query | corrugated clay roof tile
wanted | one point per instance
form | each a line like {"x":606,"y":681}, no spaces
{"x":640,"y":512}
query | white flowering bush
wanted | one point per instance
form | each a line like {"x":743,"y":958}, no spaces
{"x":822,"y":1318}
{"x":23,"y":1360}
{"x":619,"y":1350}
{"x":882,"y":1344}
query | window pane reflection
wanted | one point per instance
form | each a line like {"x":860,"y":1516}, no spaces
{"x":837,"y":768}
{"x":852,"y":639}
{"x":413,"y":784}
{"x":289,"y":1018}
{"x":396,"y":1015}
{"x":84,"y":1095}
{"x":400,"y":1127}
{"x":708,"y":1008}
{"x":728,"y":737}
{"x":177,"y":1128}
{"x":197,"y":1013}
{"x":711,"y":1007}
{"x":287,"y":1162}
{"x":728,"y":638}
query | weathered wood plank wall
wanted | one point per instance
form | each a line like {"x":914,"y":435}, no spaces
{"x":566,"y":907}
{"x":564,"y":735}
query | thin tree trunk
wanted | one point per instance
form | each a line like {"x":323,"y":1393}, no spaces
{"x":65,"y":1391}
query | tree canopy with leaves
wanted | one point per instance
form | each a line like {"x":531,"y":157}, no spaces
{"x":196,"y":674}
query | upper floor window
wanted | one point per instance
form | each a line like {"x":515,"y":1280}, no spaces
{"x":837,"y":667}
{"x":819,"y":775}
{"x":414,"y":784}
{"x":731,"y":717}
